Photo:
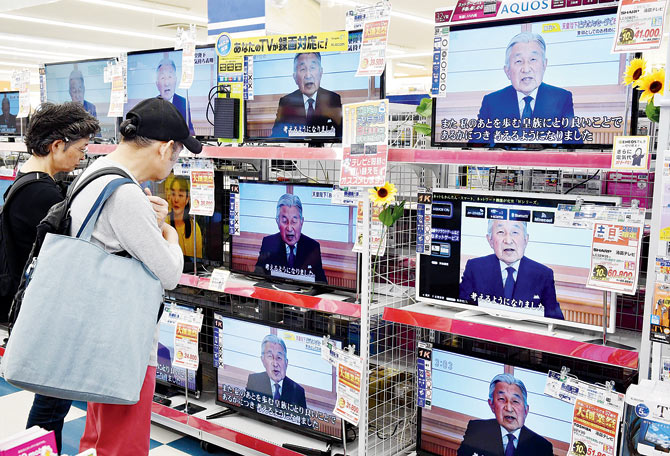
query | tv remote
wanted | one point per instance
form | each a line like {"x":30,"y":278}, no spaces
{"x":162,"y":400}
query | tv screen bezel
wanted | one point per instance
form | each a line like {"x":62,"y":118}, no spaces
{"x":279,"y":280}
{"x":197,"y":392}
{"x":525,"y":146}
{"x":306,"y":140}
{"x":216,"y":67}
{"x":503,"y":315}
{"x":283,"y":424}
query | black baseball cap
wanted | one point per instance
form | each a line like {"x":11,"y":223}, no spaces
{"x":157,"y":118}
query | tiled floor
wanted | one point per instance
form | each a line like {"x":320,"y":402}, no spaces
{"x":15,"y":405}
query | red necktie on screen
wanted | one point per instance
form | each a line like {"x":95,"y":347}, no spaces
{"x":509,"y":285}
{"x":509,"y":449}
{"x":527,"y":111}
{"x":291,"y":257}
{"x":310,"y":110}
{"x":276,"y":396}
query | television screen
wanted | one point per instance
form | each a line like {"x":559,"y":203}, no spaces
{"x":505,"y":253}
{"x":300,"y":96}
{"x":166,"y":373}
{"x":204,"y":237}
{"x":544,"y":82}
{"x":277,"y":374}
{"x":158,"y":72}
{"x":654,"y":434}
{"x":469,"y":417}
{"x":83,"y":82}
{"x":9,"y":124}
{"x":293,"y":232}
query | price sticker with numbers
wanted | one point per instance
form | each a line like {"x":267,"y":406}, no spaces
{"x":639,"y":25}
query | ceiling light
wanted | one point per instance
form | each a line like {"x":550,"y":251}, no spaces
{"x":92,"y":28}
{"x":408,"y":56}
{"x":400,"y":75}
{"x":144,"y":9}
{"x":19,"y":64}
{"x":29,"y":53}
{"x":411,"y":65}
{"x":62,"y":44}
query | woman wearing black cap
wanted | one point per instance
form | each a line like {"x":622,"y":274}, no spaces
{"x":153,"y":135}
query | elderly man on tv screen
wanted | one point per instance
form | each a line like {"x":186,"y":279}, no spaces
{"x":506,"y":435}
{"x":166,"y":83}
{"x":528,"y":110}
{"x":507,"y":275}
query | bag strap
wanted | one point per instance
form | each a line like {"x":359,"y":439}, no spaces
{"x":19,"y":183}
{"x":86,"y":229}
{"x":76,"y":187}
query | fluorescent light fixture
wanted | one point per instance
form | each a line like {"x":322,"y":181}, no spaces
{"x":144,"y":9}
{"x":62,"y":44}
{"x":18,"y":65}
{"x":409,"y":56}
{"x":399,"y":75}
{"x":411,"y":65}
{"x":35,"y":53}
{"x":92,"y":28}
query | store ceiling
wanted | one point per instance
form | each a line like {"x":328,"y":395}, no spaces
{"x":42,"y":31}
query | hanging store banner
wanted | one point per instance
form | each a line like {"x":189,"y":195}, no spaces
{"x":639,"y":25}
{"x":186,"y":42}
{"x":226,"y":46}
{"x":24,"y":94}
{"x":615,"y":257}
{"x":117,"y":94}
{"x":372,"y":59}
{"x":202,"y":188}
{"x":595,"y":430}
{"x":631,"y":153}
{"x":440,"y":51}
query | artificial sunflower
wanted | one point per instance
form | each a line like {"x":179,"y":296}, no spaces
{"x":383,"y":195}
{"x":652,"y":84}
{"x":634,"y":72}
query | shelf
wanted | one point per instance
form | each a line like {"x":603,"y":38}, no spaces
{"x":564,"y":341}
{"x":238,"y":433}
{"x":542,"y":159}
{"x":240,"y":286}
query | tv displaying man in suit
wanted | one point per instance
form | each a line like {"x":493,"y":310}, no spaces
{"x":528,"y":107}
{"x":7,"y":120}
{"x":274,"y":382}
{"x":78,"y":90}
{"x":509,"y":276}
{"x":289,"y":253}
{"x":311,"y":109}
{"x":166,"y":82}
{"x":506,"y":435}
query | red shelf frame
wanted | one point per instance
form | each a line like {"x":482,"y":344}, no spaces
{"x":221,"y":432}
{"x":545,"y":343}
{"x":330,"y":305}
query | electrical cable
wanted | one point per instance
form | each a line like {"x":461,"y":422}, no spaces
{"x":581,"y":183}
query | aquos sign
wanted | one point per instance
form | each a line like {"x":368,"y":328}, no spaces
{"x":467,"y":12}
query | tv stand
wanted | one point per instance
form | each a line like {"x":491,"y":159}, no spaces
{"x":306,"y":450}
{"x":309,"y":290}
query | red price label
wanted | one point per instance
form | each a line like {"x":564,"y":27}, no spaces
{"x":647,"y":33}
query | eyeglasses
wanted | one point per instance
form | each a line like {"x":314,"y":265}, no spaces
{"x":83,"y":150}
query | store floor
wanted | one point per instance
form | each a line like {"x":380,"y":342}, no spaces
{"x":15,"y":405}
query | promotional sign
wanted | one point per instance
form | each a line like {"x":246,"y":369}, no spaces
{"x":373,"y":48}
{"x":186,"y":346}
{"x":226,"y":46}
{"x":639,"y":25}
{"x":425,"y":375}
{"x":660,"y":316}
{"x":615,"y":257}
{"x":377,"y":236}
{"x":440,"y":51}
{"x":234,"y":213}
{"x":355,"y":19}
{"x":569,"y":389}
{"x":664,"y":232}
{"x":117,"y":95}
{"x":594,"y":430}
{"x":349,"y":375}
{"x":187,"y":59}
{"x":202,"y":188}
{"x":365,"y":144}
{"x":231,"y":83}
{"x":423,"y":223}
{"x":217,"y":282}
{"x":24,"y":94}
{"x":631,"y":152}
{"x":468,"y":11}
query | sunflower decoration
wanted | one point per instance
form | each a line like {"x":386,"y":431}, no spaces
{"x":652,"y":84}
{"x":634,"y":72}
{"x":383,"y":196}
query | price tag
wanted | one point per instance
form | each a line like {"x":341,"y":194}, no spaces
{"x":639,"y":25}
{"x":218,"y":280}
{"x":186,"y":346}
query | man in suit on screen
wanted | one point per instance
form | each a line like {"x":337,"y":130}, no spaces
{"x":7,"y":120}
{"x":274,"y":382}
{"x":311,"y":106}
{"x":508,"y":275}
{"x":527,"y":103}
{"x":506,"y":435}
{"x":290,"y":253}
{"x":166,"y":83}
{"x":78,"y":91}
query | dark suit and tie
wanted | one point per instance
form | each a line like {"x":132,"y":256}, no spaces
{"x":180,"y":104}
{"x":295,"y":111}
{"x":534,"y":283}
{"x":289,"y":391}
{"x":484,"y":438}
{"x":306,"y":257}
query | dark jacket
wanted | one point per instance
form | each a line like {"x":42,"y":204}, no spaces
{"x":291,"y":112}
{"x":273,"y":253}
{"x":484,"y":438}
{"x":291,"y":392}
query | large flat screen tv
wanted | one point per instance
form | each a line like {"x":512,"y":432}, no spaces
{"x":204,"y":237}
{"x":280,"y":110}
{"x":463,"y":420}
{"x":477,"y":236}
{"x":83,"y":82}
{"x":158,"y":72}
{"x":252,"y":357}
{"x":277,"y":215}
{"x":10,"y":125}
{"x":563,"y":63}
{"x":171,"y":377}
